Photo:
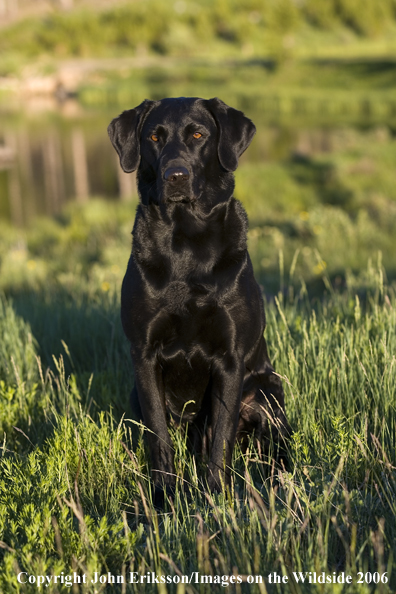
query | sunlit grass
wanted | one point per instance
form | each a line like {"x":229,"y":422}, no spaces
{"x":75,"y":487}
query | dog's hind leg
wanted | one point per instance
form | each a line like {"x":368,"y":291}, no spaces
{"x":262,"y":411}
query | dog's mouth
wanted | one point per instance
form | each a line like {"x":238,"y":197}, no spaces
{"x":178,"y":198}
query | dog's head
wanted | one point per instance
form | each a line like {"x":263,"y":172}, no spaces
{"x":185,"y":149}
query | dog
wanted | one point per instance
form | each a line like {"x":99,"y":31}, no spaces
{"x":190,"y":305}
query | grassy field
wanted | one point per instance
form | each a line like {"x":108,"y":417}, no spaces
{"x":74,"y":478}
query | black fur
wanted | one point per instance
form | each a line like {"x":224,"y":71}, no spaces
{"x":190,"y":305}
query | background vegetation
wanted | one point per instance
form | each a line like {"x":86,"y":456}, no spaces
{"x":318,"y":184}
{"x":271,"y":28}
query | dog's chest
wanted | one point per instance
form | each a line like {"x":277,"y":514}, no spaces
{"x":187,"y":338}
{"x":189,"y":319}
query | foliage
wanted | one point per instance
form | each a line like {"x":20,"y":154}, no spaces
{"x":189,"y":28}
{"x":366,"y":18}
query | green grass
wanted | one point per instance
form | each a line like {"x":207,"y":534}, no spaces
{"x":74,"y":478}
{"x":73,"y":496}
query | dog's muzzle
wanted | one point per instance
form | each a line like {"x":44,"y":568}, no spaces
{"x":177,"y":187}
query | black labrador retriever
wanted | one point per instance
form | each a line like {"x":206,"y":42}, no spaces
{"x":190,"y":305}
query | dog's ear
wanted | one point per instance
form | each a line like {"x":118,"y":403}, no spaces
{"x":124,"y":132}
{"x":236,"y":132}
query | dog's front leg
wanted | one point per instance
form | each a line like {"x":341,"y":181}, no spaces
{"x":227,"y":385}
{"x":150,"y":391}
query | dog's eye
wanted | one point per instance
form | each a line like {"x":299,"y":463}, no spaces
{"x":154,"y":137}
{"x":197,"y":135}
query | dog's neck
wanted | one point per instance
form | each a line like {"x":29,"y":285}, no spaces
{"x":201,"y":243}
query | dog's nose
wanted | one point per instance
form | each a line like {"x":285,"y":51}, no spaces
{"x":176,"y":174}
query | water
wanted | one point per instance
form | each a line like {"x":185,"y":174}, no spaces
{"x":51,"y":157}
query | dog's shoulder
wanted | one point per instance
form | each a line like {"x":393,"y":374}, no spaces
{"x":237,"y":220}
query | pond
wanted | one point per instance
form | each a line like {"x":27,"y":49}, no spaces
{"x":49,"y":157}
